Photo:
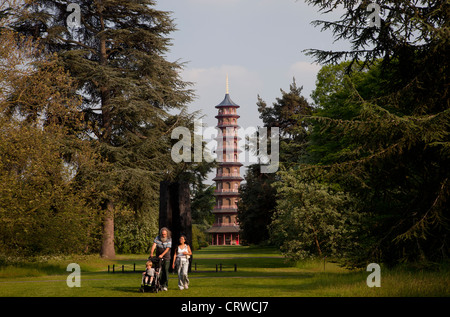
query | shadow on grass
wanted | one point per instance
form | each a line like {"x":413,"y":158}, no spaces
{"x":127,"y":289}
{"x":250,"y":284}
{"x":321,"y":284}
{"x":241,"y":263}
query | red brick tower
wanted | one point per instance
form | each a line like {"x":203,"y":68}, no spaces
{"x":225,"y":230}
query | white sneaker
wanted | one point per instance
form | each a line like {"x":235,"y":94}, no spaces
{"x":186,"y":286}
{"x":164,"y":289}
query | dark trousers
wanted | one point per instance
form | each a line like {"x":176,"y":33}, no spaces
{"x":164,"y":274}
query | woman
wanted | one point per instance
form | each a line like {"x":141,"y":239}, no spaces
{"x":182,"y":262}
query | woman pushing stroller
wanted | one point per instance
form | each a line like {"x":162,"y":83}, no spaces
{"x":181,"y":260}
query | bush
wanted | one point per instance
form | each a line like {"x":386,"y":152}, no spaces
{"x":132,"y":233}
{"x":199,"y":236}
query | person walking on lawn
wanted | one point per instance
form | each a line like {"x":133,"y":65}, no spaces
{"x":162,"y":244}
{"x":181,"y":260}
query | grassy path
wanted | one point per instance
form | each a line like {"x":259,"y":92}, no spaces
{"x":261,"y":272}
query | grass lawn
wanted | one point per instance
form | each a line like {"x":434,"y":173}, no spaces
{"x":261,"y":272}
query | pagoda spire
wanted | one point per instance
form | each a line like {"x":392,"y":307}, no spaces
{"x":227,"y":91}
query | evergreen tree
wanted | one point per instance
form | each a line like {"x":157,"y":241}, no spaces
{"x":202,"y":203}
{"x":411,"y":41}
{"x":256,"y":205}
{"x":116,"y":56}
{"x":258,"y":197}
{"x":287,"y":114}
{"x":397,"y":155}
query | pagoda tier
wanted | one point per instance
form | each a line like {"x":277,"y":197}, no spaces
{"x":225,"y":230}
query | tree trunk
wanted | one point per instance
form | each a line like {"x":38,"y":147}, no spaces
{"x":107,"y":250}
{"x":317,"y":242}
{"x":175,"y":212}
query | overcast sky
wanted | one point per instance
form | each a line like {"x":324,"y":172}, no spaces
{"x":258,"y":43}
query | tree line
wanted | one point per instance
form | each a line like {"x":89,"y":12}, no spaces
{"x":86,"y":114}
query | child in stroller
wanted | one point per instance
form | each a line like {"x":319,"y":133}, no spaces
{"x":150,"y":277}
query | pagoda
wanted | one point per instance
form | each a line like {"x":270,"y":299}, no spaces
{"x":225,"y":230}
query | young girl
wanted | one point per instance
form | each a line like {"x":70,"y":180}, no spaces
{"x":182,"y":261}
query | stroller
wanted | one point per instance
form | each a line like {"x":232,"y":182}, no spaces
{"x":155,"y":285}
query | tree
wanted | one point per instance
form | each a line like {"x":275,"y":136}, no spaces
{"x":397,"y":165}
{"x":202,"y":203}
{"x":286,"y":114}
{"x":43,"y":208}
{"x":256,"y":205}
{"x":116,"y":56}
{"x":338,"y":95}
{"x":313,"y":219}
{"x":410,"y":39}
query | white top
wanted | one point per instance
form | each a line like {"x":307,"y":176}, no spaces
{"x":180,"y":252}
{"x":150,"y":272}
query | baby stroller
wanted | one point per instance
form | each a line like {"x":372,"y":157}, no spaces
{"x":155,"y":286}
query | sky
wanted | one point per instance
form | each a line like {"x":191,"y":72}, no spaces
{"x":259,"y":44}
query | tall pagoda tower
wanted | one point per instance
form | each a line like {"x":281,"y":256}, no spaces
{"x":225,"y":230}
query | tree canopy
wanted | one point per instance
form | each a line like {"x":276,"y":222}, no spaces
{"x":131,"y":96}
{"x":44,"y":157}
{"x":376,"y":141}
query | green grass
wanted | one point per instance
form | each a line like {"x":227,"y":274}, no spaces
{"x":261,"y":272}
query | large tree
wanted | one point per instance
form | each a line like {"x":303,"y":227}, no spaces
{"x":313,"y":219}
{"x":411,"y":39}
{"x":257,"y":203}
{"x":48,"y":171}
{"x":287,"y":113}
{"x":116,"y":55}
{"x":397,"y":142}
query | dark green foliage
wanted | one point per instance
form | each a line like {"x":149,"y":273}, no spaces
{"x":130,"y":93}
{"x":134,"y":234}
{"x":43,"y":208}
{"x":287,"y":114}
{"x":257,"y":205}
{"x":202,"y":203}
{"x":258,"y":197}
{"x":384,"y":132}
{"x":200,"y":238}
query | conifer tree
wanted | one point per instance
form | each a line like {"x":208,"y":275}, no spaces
{"x":256,"y":205}
{"x":398,"y":163}
{"x":287,"y":114}
{"x":116,"y":55}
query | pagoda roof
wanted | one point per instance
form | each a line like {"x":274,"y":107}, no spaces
{"x":224,"y":229}
{"x":227,"y":102}
{"x":224,"y":177}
